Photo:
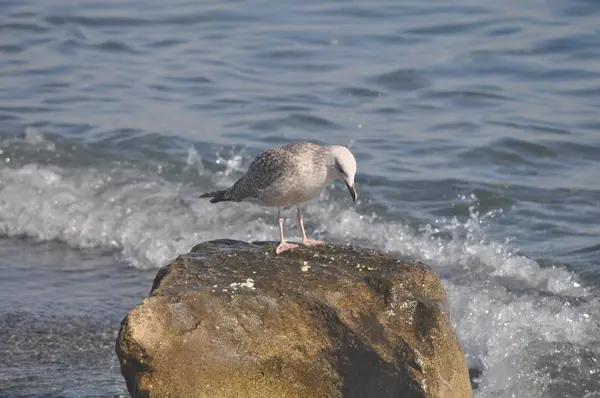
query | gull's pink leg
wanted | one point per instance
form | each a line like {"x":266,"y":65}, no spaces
{"x":283,"y":245}
{"x":305,"y":240}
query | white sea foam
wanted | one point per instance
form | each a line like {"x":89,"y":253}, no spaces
{"x":511,"y":314}
{"x":194,"y":160}
{"x":146,"y":219}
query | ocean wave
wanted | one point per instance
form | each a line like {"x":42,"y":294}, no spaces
{"x":502,"y":303}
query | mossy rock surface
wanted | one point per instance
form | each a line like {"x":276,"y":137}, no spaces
{"x":231,"y":319}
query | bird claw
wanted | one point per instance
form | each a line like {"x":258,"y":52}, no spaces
{"x":311,"y":242}
{"x":284,"y":246}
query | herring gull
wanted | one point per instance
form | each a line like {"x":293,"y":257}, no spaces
{"x":288,"y":176}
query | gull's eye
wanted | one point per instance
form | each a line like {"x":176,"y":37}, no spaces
{"x":339,"y":168}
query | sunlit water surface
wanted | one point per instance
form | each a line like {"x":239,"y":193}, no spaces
{"x":475,"y":124}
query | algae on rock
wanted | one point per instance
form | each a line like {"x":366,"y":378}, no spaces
{"x":231,"y":319}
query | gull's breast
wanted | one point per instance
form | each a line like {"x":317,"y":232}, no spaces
{"x":296,"y":190}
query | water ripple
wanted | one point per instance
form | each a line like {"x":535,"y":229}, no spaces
{"x":402,"y":80}
{"x":475,"y":126}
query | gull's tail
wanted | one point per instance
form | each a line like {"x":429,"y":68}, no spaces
{"x":217,"y":196}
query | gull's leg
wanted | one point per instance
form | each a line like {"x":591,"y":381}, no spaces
{"x":305,"y":240}
{"x":283,"y":245}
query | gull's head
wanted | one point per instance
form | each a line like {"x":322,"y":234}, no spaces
{"x":344,"y":167}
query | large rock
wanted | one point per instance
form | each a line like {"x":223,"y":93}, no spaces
{"x":230,"y":319}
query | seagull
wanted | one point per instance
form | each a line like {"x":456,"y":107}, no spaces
{"x":289,"y":176}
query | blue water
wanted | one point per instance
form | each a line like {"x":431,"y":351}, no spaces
{"x":475,"y":124}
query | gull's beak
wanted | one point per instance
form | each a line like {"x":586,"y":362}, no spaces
{"x":352,"y":191}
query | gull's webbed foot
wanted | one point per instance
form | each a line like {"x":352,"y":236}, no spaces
{"x":311,"y":242}
{"x":285,"y":246}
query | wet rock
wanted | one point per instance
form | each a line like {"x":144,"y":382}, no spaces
{"x":230,"y":319}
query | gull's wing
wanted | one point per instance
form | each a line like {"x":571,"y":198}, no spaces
{"x":265,"y":169}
